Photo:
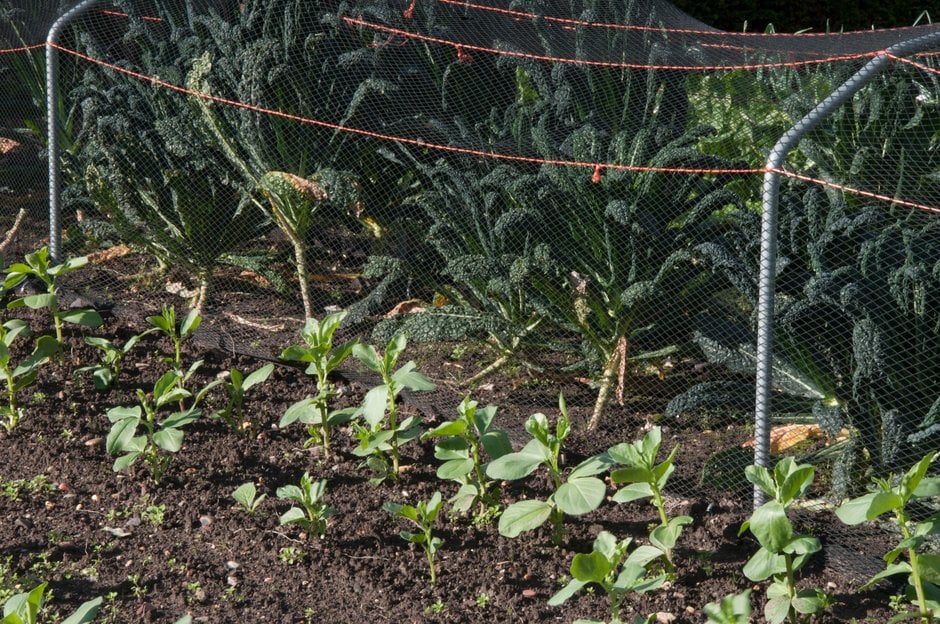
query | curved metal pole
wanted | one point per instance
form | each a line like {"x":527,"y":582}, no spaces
{"x":768,"y":254}
{"x":52,"y":124}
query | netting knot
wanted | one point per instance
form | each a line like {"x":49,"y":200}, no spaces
{"x":596,"y":178}
{"x":463,"y":57}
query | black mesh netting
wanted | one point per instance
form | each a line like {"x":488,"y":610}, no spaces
{"x":570,"y":189}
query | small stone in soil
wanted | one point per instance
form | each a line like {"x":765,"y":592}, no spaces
{"x":529,"y":593}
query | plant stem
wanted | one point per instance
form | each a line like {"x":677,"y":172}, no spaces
{"x":603,"y":392}
{"x":915,"y":569}
{"x":430,"y":555}
{"x":791,"y":589}
{"x":324,"y":428}
{"x":393,"y":425}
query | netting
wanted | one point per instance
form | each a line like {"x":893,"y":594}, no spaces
{"x":572,"y":190}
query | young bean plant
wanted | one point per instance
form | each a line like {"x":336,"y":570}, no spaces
{"x":246,"y":495}
{"x":37,"y":266}
{"x":607,"y":567}
{"x":106,"y":372}
{"x":422,"y":516}
{"x":165,"y":323}
{"x":733,"y":609}
{"x":312,"y":513}
{"x":782,"y":551}
{"x":381,"y":439}
{"x":581,"y":492}
{"x":26,"y":607}
{"x":647,"y":479}
{"x":236,"y":386}
{"x":161,"y":437}
{"x":17,"y":377}
{"x":922,"y":568}
{"x":323,"y":359}
{"x":461,"y":444}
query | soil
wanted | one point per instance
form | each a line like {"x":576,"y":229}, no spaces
{"x":183,"y":546}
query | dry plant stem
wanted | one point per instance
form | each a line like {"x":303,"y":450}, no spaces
{"x":497,"y":364}
{"x":202,"y":294}
{"x":300,"y":258}
{"x":606,"y":385}
{"x":11,"y":234}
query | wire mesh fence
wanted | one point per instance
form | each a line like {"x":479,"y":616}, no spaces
{"x":570,"y":190}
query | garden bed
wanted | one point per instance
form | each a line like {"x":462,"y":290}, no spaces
{"x":156,"y":552}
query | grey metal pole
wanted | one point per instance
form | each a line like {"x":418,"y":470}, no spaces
{"x":52,"y":125}
{"x":768,"y":253}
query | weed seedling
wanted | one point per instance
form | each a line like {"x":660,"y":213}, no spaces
{"x":19,"y":377}
{"x":581,"y":492}
{"x":384,"y":434}
{"x":422,"y":516}
{"x":922,"y":568}
{"x":312,"y":513}
{"x":37,"y":266}
{"x":606,"y":567}
{"x":291,"y":555}
{"x":246,"y":496}
{"x":647,"y":479}
{"x":782,"y":552}
{"x":323,"y":359}
{"x":460,"y":446}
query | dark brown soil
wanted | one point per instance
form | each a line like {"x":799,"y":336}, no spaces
{"x":157,"y":552}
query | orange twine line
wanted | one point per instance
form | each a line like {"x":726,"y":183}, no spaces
{"x":555,"y":59}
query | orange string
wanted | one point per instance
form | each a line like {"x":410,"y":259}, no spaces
{"x":555,"y":59}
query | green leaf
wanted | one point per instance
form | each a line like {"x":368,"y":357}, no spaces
{"x":368,"y":356}
{"x":40,"y":301}
{"x":169,"y":439}
{"x":122,"y":431}
{"x":808,"y":601}
{"x":803,"y":545}
{"x":294,"y":514}
{"x":258,"y":376}
{"x":590,"y":567}
{"x":407,"y":377}
{"x":26,"y":606}
{"x":771,"y":527}
{"x":374,"y":404}
{"x":302,"y":411}
{"x":450,"y":428}
{"x":520,"y":464}
{"x":777,"y":609}
{"x":580,"y":496}
{"x":190,"y":324}
{"x":455,"y":469}
{"x":897,"y":568}
{"x":634,"y":491}
{"x":245,"y":493}
{"x":496,"y":444}
{"x":566,"y":592}
{"x":763,"y":564}
{"x":591,"y":466}
{"x":930,"y":567}
{"x":85,"y":613}
{"x":124,"y":461}
{"x":631,"y":474}
{"x":644,"y":554}
{"x":85,"y":318}
{"x":867,"y":507}
{"x":523,"y":516}
{"x":760,"y":476}
{"x":928,"y":487}
{"x":177,"y":420}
